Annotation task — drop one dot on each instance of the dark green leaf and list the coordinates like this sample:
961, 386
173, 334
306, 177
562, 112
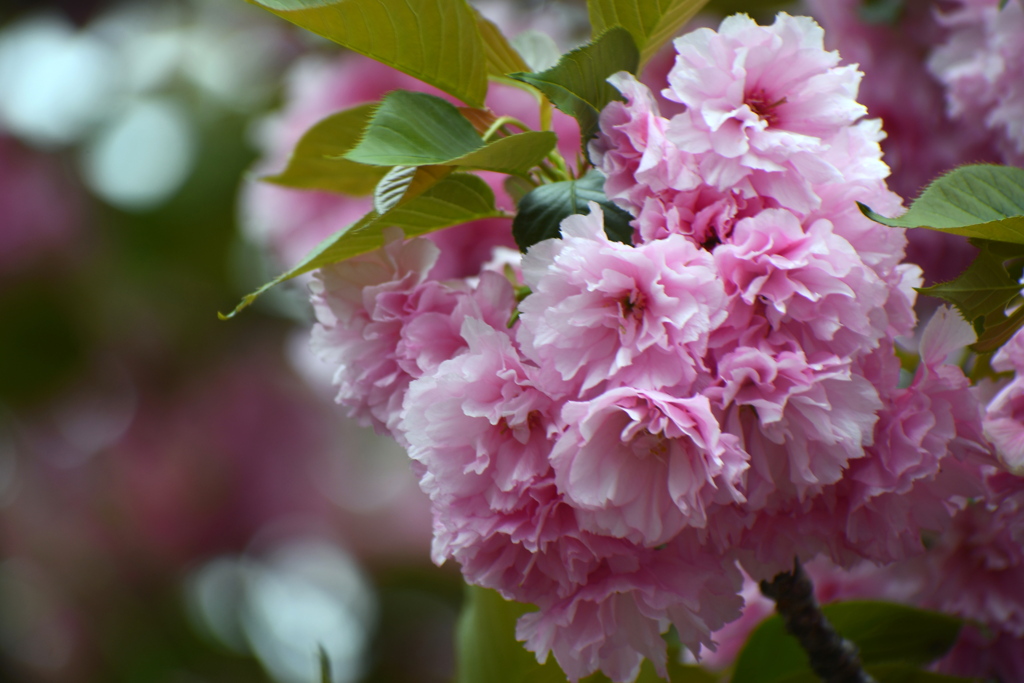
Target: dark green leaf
984, 291
650, 22
998, 330
577, 85
416, 129
436, 41
457, 198
887, 635
315, 162
981, 200
987, 286
542, 211
885, 12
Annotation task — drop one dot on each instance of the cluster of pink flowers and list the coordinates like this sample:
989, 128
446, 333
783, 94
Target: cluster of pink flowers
722, 392
980, 63
944, 78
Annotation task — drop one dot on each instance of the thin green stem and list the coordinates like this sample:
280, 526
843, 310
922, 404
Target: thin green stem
500, 123
545, 113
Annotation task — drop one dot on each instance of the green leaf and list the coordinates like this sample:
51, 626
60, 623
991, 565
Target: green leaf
998, 330
985, 291
502, 58
416, 129
905, 673
517, 188
436, 41
325, 665
314, 164
542, 211
486, 649
650, 22
886, 634
987, 286
455, 199
884, 12
577, 85
982, 200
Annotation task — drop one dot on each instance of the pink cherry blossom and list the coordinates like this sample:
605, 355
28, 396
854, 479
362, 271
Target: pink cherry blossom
982, 560
41, 208
808, 276
1004, 415
725, 390
762, 104
643, 465
604, 311
481, 431
617, 618
382, 323
634, 155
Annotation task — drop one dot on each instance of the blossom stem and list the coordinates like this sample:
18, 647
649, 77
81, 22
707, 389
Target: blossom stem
832, 657
500, 123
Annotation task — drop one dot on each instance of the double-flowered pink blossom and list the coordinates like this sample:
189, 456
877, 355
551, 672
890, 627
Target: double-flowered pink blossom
1004, 415
602, 311
482, 433
679, 464
723, 392
765, 100
382, 323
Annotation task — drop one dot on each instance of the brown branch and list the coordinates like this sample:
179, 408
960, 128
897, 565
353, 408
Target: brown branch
832, 657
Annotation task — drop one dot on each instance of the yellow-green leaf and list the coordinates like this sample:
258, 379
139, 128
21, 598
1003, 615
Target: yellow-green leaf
650, 22
436, 41
416, 129
577, 85
457, 198
316, 162
984, 201
502, 58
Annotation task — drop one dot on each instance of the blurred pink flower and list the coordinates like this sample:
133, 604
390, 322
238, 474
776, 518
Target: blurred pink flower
41, 207
980, 63
1004, 415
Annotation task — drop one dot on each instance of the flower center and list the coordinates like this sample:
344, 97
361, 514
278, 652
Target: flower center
633, 306
648, 444
763, 106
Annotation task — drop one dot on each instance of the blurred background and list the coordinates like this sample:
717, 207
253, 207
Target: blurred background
180, 499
